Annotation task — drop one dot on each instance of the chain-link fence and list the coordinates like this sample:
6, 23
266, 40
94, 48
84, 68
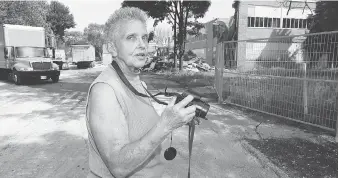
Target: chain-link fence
295, 77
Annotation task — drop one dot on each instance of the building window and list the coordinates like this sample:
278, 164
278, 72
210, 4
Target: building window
294, 23
276, 23
276, 17
267, 22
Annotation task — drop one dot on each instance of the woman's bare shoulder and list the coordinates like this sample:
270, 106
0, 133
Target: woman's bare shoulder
104, 105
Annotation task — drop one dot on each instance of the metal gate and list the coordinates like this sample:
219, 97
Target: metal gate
294, 77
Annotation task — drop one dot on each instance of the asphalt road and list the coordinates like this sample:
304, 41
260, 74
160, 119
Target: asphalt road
42, 128
43, 133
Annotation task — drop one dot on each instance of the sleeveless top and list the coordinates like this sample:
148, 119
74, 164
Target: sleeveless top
140, 116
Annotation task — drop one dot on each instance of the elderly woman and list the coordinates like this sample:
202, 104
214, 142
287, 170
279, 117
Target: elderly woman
124, 130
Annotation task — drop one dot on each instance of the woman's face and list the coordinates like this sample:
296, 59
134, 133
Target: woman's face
132, 43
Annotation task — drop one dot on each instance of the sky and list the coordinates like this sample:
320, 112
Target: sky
98, 11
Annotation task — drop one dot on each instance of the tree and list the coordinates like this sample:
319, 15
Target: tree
151, 36
75, 37
182, 15
60, 19
30, 13
95, 36
324, 19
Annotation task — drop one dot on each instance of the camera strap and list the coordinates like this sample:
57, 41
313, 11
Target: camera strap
191, 125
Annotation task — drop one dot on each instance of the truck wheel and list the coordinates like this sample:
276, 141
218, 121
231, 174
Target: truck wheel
16, 78
55, 78
91, 65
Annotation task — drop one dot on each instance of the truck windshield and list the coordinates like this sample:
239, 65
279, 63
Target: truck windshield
25, 52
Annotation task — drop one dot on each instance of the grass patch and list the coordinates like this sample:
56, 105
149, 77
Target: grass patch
300, 158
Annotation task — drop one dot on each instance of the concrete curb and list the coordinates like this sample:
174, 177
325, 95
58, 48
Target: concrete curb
263, 160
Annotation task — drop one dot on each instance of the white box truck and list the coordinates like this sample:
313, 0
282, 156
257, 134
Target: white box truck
83, 55
60, 58
23, 54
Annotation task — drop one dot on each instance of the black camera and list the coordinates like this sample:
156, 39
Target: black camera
202, 107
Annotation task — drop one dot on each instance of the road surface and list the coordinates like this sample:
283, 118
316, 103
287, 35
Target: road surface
43, 134
42, 128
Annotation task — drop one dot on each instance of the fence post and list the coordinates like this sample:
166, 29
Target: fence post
305, 88
336, 131
219, 68
222, 66
216, 74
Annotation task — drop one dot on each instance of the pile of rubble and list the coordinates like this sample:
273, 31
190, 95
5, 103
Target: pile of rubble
195, 65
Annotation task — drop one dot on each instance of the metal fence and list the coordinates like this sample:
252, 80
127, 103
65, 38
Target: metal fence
295, 77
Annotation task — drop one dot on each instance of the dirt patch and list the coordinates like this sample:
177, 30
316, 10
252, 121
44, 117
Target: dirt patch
300, 158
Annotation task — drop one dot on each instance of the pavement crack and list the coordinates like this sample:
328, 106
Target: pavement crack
256, 130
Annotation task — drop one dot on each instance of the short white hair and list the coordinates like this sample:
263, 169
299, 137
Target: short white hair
113, 24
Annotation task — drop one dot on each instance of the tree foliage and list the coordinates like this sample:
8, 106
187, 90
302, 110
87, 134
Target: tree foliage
182, 15
95, 36
151, 36
75, 37
55, 17
59, 18
324, 19
30, 13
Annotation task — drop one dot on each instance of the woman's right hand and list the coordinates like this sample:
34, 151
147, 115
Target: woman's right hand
176, 115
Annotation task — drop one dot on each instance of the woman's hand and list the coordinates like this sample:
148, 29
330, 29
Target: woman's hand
176, 115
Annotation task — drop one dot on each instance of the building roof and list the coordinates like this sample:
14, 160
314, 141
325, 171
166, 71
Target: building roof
22, 27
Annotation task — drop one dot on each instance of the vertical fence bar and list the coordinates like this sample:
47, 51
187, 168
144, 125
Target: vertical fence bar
336, 130
305, 99
216, 74
221, 67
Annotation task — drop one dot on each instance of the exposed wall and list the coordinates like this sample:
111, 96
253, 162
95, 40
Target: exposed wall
266, 50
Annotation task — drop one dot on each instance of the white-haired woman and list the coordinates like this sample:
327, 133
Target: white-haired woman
125, 131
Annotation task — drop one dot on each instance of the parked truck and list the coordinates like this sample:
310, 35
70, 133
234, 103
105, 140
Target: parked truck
59, 58
83, 55
23, 54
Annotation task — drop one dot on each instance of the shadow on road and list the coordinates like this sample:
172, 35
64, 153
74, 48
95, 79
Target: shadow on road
42, 128
55, 154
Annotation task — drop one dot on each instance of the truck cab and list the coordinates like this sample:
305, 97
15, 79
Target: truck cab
24, 63
24, 54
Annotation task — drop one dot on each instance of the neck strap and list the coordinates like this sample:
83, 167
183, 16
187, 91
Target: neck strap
191, 124
128, 84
